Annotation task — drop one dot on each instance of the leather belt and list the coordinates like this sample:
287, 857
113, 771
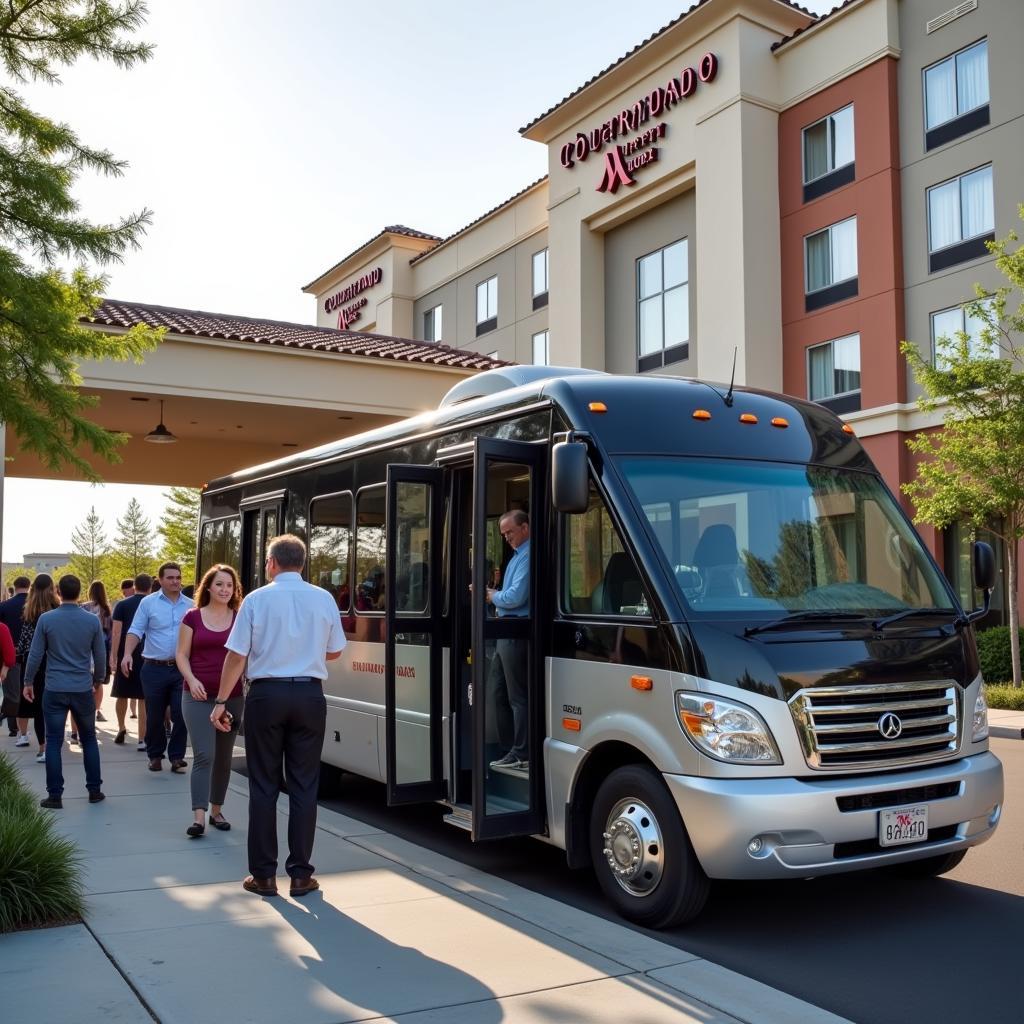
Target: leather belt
286, 679
160, 661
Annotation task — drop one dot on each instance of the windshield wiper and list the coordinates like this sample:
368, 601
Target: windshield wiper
820, 615
908, 613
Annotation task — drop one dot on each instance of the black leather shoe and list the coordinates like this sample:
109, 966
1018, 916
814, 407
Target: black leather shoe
97, 796
179, 767
53, 802
260, 886
223, 825
303, 886
156, 764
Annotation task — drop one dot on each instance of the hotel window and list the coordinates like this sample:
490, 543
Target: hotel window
830, 261
961, 218
828, 153
956, 95
540, 349
833, 373
432, 324
948, 323
663, 306
486, 305
540, 279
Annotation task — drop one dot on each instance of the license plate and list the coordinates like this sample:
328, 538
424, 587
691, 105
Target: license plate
903, 825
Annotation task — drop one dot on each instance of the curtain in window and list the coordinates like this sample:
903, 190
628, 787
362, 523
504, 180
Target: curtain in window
977, 328
650, 326
540, 348
677, 317
943, 215
844, 250
842, 137
940, 93
816, 150
846, 363
945, 324
976, 203
972, 78
819, 269
821, 372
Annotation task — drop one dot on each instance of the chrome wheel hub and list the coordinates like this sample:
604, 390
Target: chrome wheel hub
633, 847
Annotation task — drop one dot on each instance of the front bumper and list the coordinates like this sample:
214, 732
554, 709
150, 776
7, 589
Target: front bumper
799, 823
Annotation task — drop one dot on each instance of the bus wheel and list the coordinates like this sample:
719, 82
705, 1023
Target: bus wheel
641, 852
929, 867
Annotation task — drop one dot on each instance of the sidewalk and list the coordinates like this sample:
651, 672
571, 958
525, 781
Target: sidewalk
396, 932
1006, 724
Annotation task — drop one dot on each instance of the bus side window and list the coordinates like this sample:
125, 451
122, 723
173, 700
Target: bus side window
330, 548
600, 575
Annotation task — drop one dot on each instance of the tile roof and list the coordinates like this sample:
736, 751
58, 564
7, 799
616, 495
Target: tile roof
393, 229
114, 313
483, 216
640, 46
818, 21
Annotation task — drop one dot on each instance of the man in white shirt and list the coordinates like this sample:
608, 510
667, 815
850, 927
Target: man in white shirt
288, 631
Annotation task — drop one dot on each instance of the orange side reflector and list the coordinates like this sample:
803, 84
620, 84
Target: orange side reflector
572, 724
641, 682
701, 414
847, 429
748, 417
778, 421
597, 407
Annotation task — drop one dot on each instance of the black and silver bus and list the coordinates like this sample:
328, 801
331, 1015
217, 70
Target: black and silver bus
741, 660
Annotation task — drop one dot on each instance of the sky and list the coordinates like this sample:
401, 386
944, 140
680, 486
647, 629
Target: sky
270, 138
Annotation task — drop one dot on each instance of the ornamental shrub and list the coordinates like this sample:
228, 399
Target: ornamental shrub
994, 653
1006, 698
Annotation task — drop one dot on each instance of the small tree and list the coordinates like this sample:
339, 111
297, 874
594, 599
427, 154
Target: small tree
179, 527
132, 550
88, 549
973, 469
13, 573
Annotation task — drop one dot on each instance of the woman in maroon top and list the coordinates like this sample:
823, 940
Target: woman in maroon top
200, 657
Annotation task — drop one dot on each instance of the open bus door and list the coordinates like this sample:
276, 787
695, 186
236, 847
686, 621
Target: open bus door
261, 523
413, 640
507, 666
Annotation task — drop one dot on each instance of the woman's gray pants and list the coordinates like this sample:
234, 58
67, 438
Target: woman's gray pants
211, 749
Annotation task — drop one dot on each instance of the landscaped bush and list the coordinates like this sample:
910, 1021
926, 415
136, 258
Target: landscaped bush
994, 654
1006, 698
40, 880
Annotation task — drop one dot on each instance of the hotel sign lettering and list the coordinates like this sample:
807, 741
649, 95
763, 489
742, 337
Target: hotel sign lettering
350, 311
622, 160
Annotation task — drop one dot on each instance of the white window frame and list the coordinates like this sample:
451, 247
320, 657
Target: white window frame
436, 314
833, 166
533, 273
490, 299
945, 60
641, 299
960, 179
546, 342
975, 343
828, 344
832, 281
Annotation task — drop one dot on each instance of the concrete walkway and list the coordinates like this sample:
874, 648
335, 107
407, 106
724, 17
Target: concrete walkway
396, 933
1006, 724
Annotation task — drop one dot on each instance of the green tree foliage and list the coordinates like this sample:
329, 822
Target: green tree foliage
12, 574
88, 549
179, 528
132, 550
973, 469
42, 340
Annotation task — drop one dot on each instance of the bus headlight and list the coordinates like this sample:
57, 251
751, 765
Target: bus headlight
979, 730
726, 730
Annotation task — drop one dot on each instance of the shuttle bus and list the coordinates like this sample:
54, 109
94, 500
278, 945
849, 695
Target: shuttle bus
740, 660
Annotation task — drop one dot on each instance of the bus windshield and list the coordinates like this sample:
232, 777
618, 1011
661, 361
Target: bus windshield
756, 537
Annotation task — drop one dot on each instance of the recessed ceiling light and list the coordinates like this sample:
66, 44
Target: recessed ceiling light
289, 444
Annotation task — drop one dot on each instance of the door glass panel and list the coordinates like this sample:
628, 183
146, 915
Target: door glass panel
506, 742
254, 550
412, 552
412, 708
370, 550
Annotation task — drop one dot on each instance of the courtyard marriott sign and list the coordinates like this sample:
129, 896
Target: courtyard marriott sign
348, 314
622, 161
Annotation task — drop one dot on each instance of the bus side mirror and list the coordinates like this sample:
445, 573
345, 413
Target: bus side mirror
983, 561
569, 490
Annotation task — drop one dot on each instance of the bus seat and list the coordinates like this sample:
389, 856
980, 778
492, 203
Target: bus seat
620, 586
717, 558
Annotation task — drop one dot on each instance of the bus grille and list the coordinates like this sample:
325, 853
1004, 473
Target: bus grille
877, 726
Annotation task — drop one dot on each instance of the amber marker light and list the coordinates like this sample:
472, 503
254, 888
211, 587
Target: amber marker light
701, 414
597, 407
747, 417
847, 429
641, 682
572, 724
778, 421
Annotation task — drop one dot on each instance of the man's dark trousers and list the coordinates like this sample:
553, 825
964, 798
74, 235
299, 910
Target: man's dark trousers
284, 729
56, 705
162, 686
511, 697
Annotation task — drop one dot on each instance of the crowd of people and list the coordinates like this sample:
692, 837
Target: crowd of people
184, 662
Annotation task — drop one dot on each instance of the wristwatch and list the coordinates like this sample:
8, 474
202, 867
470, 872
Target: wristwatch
219, 701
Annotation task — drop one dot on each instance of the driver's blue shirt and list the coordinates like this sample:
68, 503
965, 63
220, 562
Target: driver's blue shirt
514, 598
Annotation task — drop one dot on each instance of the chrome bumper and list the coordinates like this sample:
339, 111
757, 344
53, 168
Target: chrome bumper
799, 824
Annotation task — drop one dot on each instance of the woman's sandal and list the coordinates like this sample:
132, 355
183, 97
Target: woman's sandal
195, 830
223, 825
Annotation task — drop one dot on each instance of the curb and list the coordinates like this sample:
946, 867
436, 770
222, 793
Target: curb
1007, 732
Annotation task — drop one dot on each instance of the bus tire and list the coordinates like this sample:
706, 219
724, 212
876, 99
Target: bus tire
641, 853
928, 867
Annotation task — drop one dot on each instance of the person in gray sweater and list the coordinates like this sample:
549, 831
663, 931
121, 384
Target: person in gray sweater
71, 640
